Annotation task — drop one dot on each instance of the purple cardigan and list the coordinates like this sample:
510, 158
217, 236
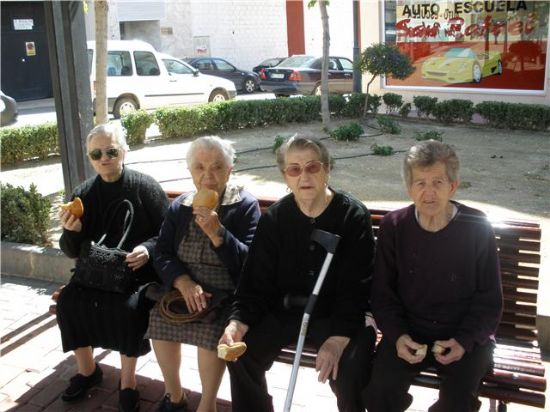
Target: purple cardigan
239, 218
438, 285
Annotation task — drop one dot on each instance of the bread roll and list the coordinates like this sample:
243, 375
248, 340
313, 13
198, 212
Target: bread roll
438, 349
75, 207
422, 351
206, 197
231, 353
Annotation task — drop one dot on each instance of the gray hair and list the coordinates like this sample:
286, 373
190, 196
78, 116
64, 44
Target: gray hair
212, 143
426, 154
297, 142
108, 130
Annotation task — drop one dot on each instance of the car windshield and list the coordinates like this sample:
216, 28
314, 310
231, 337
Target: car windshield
296, 61
457, 52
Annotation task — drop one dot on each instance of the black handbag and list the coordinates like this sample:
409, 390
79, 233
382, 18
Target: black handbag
104, 268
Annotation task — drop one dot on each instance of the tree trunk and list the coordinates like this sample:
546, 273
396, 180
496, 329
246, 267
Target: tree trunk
366, 107
101, 8
325, 111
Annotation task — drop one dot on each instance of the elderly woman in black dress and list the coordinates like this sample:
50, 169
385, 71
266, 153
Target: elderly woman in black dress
90, 318
200, 248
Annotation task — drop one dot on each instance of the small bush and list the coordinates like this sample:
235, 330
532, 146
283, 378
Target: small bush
493, 112
347, 132
278, 142
405, 110
374, 103
454, 110
178, 122
388, 125
136, 124
424, 105
27, 142
515, 115
393, 102
429, 135
382, 150
25, 215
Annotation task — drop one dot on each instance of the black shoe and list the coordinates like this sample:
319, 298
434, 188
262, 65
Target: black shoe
128, 400
166, 405
80, 384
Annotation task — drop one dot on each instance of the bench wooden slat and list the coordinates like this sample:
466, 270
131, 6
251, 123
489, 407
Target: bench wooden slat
509, 280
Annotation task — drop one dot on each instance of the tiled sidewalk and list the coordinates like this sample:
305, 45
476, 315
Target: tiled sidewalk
34, 370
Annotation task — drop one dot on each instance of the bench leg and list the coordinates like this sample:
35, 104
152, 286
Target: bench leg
492, 405
502, 407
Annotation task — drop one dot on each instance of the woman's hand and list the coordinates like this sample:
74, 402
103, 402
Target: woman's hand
406, 349
210, 224
234, 332
196, 299
453, 351
138, 257
329, 356
69, 221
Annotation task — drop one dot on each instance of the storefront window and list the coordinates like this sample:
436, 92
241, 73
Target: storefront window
493, 44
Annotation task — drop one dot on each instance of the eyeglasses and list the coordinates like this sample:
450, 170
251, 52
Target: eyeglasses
97, 153
311, 168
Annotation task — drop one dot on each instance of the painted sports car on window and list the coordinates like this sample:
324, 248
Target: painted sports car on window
462, 65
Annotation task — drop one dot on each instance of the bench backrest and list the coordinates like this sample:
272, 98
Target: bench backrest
518, 243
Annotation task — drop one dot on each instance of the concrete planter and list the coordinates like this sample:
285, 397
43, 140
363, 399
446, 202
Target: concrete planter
30, 261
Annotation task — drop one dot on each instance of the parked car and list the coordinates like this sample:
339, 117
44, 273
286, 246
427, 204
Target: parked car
301, 74
462, 65
272, 62
9, 110
138, 78
244, 80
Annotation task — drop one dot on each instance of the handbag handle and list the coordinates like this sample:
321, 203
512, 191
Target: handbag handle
128, 220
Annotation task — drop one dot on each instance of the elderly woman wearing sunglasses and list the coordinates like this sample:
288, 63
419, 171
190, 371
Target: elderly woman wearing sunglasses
282, 267
90, 318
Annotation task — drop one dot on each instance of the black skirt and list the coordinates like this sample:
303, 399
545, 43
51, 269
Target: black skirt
90, 317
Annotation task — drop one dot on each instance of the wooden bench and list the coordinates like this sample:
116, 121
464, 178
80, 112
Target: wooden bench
518, 372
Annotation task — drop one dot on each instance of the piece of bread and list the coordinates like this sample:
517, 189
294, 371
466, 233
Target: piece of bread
438, 349
422, 351
231, 353
206, 197
75, 207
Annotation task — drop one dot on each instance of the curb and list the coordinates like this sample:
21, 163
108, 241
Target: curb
36, 262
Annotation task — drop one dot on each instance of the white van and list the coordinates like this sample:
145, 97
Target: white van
138, 78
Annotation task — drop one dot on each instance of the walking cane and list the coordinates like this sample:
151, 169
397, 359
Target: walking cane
329, 241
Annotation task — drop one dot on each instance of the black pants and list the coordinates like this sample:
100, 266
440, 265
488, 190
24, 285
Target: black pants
265, 341
392, 377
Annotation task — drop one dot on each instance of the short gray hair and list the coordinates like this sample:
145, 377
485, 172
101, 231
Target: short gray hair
426, 154
297, 142
109, 130
212, 143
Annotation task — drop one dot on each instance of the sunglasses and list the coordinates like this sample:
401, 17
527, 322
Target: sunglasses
311, 168
97, 153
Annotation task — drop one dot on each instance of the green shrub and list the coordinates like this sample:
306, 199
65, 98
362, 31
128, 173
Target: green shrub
424, 105
277, 142
25, 215
136, 124
27, 142
348, 132
382, 150
393, 102
429, 135
493, 112
515, 115
454, 110
405, 110
388, 125
179, 122
374, 103
354, 105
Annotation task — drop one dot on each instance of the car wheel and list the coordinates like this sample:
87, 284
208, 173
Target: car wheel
249, 86
218, 95
123, 106
317, 90
499, 67
476, 73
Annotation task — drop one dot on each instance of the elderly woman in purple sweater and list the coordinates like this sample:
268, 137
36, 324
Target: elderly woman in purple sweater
436, 294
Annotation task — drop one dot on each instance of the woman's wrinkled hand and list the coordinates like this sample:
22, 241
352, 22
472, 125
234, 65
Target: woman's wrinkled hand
453, 351
208, 220
406, 349
234, 332
138, 257
69, 221
329, 356
195, 297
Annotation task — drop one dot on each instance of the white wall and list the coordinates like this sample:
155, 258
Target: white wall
340, 14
